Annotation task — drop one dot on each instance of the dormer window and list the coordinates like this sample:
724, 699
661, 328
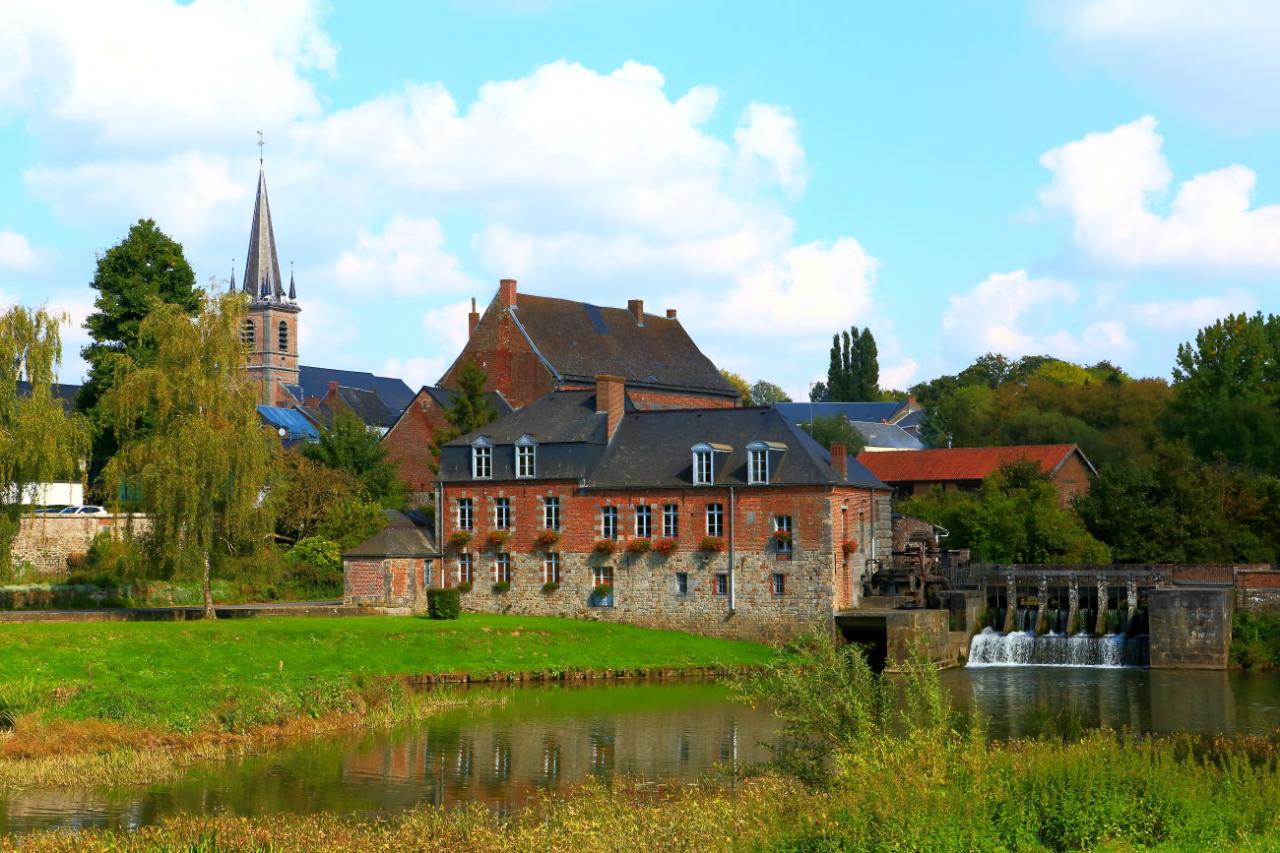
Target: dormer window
704, 462
526, 458
757, 464
482, 459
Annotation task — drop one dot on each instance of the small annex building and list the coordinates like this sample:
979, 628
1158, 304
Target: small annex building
393, 568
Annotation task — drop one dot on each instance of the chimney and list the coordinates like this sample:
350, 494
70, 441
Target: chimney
507, 293
473, 319
671, 313
912, 403
611, 398
333, 387
840, 459
636, 307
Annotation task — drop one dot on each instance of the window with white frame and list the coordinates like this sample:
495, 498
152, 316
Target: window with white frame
757, 464
715, 519
670, 521
526, 460
644, 521
482, 460
704, 466
466, 569
782, 534
682, 583
502, 568
466, 514
551, 568
502, 513
609, 522
720, 583
551, 513
778, 583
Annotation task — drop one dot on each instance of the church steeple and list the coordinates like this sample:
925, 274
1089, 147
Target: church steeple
262, 268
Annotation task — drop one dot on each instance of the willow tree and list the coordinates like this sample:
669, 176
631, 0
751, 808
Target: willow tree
191, 443
39, 439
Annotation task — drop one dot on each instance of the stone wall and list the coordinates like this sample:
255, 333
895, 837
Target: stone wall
1258, 591
394, 582
1190, 628
45, 541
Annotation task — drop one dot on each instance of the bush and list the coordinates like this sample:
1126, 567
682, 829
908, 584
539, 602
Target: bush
465, 586
502, 586
550, 587
444, 603
350, 521
319, 552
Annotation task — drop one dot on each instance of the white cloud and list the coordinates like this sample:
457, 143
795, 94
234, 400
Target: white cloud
1217, 59
1196, 313
988, 317
415, 372
408, 258
17, 253
446, 328
769, 135
1106, 182
899, 375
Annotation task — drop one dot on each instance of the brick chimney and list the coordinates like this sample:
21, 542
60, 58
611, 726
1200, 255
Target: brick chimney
473, 319
636, 307
840, 459
333, 387
611, 398
507, 293
671, 313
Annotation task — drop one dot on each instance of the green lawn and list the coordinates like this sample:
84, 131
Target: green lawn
231, 674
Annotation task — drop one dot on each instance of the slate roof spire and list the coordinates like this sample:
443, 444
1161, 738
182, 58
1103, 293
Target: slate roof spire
262, 268
231, 288
293, 291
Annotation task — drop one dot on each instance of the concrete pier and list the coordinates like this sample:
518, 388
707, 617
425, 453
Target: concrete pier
1190, 627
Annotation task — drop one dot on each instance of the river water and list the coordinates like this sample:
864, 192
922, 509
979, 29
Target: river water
550, 737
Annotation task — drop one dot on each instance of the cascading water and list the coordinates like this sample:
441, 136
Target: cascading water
1024, 648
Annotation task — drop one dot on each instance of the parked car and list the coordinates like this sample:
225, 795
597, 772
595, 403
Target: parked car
91, 510
70, 510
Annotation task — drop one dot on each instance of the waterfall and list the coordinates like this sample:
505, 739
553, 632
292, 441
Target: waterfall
1024, 648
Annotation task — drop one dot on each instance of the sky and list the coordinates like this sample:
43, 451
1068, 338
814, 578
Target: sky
1091, 179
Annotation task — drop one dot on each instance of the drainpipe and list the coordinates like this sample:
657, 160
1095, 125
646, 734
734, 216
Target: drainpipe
733, 579
444, 580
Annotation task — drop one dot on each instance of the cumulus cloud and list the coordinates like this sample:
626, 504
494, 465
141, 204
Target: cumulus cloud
17, 253
407, 258
415, 372
1107, 181
770, 136
1196, 313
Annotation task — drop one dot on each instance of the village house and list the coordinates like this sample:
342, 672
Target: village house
964, 468
725, 521
906, 414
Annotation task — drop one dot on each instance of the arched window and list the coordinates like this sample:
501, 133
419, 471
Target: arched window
283, 338
249, 334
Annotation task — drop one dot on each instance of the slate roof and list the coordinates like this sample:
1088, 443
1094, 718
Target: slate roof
407, 534
964, 463
298, 427
803, 413
314, 383
890, 436
366, 405
579, 341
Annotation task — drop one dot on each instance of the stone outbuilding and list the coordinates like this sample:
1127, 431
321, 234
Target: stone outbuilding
393, 568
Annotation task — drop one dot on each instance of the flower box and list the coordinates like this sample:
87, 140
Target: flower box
502, 586
637, 547
460, 539
498, 538
665, 547
550, 587
782, 537
849, 546
546, 538
605, 546
711, 543
604, 590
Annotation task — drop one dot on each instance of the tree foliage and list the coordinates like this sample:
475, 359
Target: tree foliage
853, 371
828, 428
348, 445
766, 394
39, 440
469, 410
303, 493
349, 521
190, 439
738, 381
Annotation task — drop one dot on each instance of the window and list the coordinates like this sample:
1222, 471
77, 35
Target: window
721, 586
670, 521
466, 518
502, 568
703, 466
525, 449
715, 519
644, 522
682, 583
551, 513
757, 465
466, 569
249, 333
609, 522
282, 338
482, 460
778, 583
782, 535
502, 513
551, 568
601, 575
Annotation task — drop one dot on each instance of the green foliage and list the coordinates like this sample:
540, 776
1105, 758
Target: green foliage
853, 372
469, 410
737, 380
320, 552
348, 445
766, 394
349, 521
1255, 640
444, 603
1014, 517
303, 492
828, 428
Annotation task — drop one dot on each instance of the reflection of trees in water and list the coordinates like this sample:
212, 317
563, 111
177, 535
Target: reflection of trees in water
550, 761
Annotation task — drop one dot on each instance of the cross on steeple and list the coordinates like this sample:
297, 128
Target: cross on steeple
260, 144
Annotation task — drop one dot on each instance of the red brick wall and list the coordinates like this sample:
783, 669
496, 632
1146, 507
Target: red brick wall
648, 399
501, 350
408, 443
1071, 479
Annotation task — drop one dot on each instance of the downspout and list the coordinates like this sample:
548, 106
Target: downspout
444, 580
733, 579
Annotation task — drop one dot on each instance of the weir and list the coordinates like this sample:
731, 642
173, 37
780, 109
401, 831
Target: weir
1024, 648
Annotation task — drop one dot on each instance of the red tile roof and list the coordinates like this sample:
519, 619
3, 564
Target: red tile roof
960, 463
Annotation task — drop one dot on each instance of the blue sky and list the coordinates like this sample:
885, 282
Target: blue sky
1087, 178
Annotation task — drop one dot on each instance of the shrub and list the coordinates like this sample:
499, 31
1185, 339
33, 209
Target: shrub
605, 546
665, 547
502, 586
602, 591
460, 539
636, 547
444, 603
547, 538
465, 586
711, 543
318, 551
550, 586
350, 521
498, 538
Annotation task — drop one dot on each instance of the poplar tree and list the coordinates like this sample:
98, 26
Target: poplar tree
190, 439
39, 440
853, 374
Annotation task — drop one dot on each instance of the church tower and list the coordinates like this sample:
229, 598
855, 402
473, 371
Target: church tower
271, 329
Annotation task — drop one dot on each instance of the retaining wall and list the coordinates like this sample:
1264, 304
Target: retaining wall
46, 541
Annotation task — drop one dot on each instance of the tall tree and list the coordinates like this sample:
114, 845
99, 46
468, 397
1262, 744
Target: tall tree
868, 368
349, 445
143, 269
739, 382
853, 374
39, 440
469, 410
190, 439
766, 394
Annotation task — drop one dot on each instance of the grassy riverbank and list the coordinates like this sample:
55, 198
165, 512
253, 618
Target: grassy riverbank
89, 687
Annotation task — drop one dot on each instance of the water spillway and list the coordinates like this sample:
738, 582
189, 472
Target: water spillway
1025, 648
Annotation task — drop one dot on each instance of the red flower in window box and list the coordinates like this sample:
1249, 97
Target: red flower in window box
498, 538
460, 539
547, 538
636, 547
605, 546
849, 546
711, 543
782, 537
665, 547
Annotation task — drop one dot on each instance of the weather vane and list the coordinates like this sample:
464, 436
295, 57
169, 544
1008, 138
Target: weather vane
260, 144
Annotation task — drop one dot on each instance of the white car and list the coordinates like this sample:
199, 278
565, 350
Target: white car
84, 510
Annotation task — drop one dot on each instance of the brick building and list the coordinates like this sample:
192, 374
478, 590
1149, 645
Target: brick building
964, 468
410, 438
532, 345
723, 521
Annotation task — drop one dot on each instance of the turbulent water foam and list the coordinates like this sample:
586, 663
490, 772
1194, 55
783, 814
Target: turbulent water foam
1024, 648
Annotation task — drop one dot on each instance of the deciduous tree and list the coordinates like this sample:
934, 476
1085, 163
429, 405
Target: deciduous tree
766, 394
347, 444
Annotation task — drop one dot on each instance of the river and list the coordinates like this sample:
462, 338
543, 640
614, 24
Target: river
550, 737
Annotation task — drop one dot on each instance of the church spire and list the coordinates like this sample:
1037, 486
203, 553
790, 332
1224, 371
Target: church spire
261, 268
231, 288
293, 291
